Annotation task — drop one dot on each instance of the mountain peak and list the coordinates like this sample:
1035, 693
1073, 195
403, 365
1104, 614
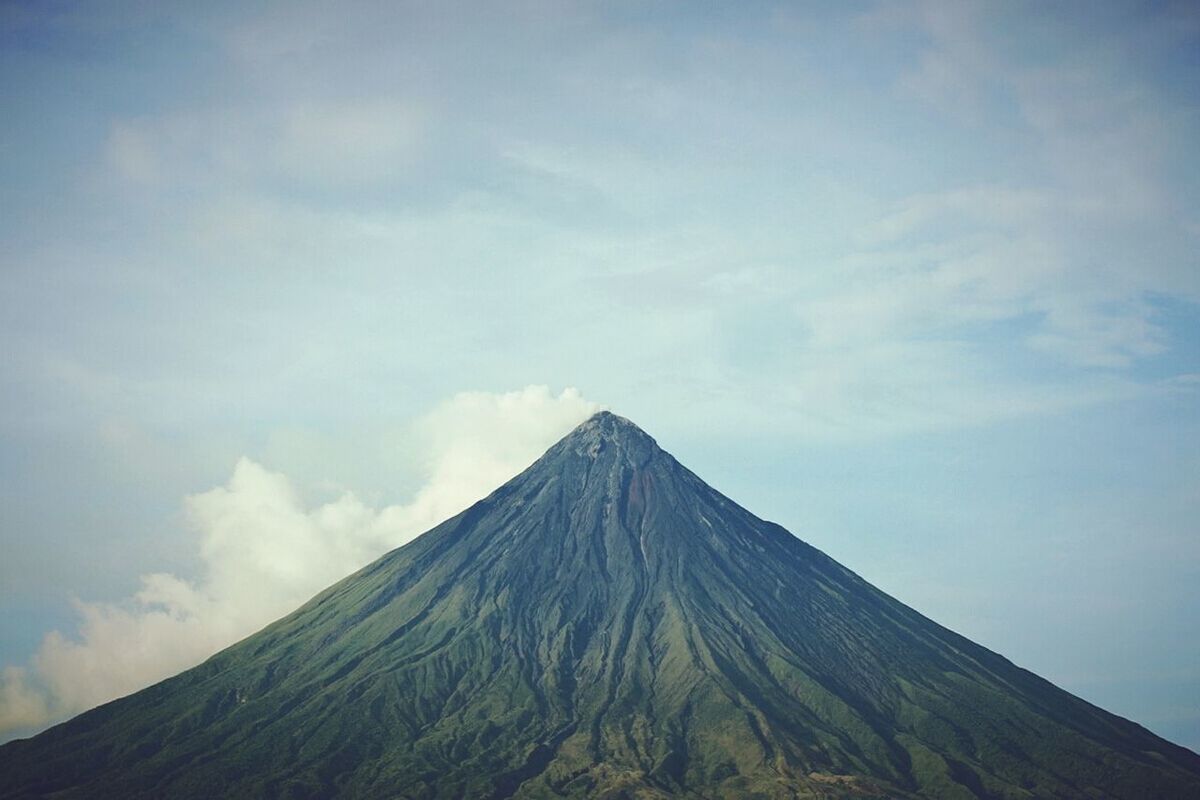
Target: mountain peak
612, 426
605, 429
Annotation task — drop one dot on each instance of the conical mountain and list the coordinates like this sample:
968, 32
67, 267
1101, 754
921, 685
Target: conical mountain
603, 625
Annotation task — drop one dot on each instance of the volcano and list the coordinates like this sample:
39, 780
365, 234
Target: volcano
603, 625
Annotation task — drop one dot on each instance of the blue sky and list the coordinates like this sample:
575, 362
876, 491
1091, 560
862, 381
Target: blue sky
917, 280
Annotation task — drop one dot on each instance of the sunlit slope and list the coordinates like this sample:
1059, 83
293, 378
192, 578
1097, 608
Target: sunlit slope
603, 625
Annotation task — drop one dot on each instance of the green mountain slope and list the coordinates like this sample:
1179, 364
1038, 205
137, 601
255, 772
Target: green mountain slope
603, 625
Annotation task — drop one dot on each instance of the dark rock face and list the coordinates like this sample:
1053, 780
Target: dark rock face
603, 625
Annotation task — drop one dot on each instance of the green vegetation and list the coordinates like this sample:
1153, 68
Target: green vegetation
604, 625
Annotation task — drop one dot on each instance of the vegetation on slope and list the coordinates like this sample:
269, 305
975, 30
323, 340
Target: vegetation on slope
604, 625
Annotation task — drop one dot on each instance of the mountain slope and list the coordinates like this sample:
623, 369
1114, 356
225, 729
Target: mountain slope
604, 624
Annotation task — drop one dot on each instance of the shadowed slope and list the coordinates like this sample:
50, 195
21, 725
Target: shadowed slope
604, 624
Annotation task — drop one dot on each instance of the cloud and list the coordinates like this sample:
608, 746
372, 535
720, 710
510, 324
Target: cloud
1090, 184
952, 74
349, 142
315, 143
23, 706
950, 263
493, 176
1100, 337
263, 552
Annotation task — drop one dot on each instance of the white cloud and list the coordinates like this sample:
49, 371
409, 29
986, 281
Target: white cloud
23, 706
992, 204
952, 72
1100, 338
318, 143
970, 256
348, 142
263, 552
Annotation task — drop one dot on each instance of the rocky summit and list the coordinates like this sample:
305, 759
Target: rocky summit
603, 625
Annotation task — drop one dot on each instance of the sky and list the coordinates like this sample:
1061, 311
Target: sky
282, 285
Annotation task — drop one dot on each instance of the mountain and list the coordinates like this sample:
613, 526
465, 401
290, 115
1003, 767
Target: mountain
603, 625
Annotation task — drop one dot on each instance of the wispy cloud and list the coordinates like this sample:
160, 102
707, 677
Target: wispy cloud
314, 144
